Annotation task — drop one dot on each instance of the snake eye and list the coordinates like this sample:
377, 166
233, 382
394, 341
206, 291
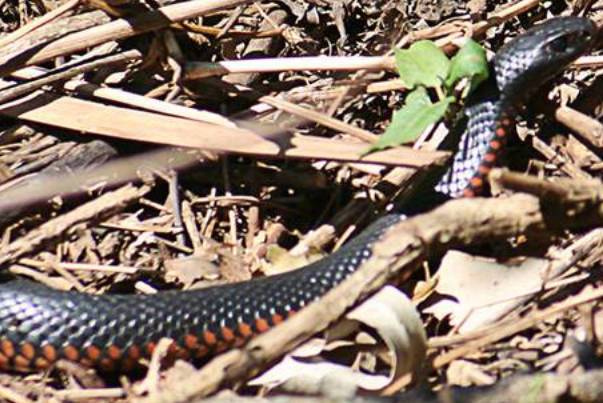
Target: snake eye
559, 44
585, 37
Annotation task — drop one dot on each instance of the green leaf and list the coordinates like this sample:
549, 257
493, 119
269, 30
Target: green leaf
417, 114
422, 64
469, 62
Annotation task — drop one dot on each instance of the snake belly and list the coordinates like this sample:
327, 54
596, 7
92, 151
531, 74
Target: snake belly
39, 325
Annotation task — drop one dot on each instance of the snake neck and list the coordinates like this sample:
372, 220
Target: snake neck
521, 67
483, 109
473, 145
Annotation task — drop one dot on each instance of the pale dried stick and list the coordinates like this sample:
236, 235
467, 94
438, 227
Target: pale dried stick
114, 30
196, 70
60, 74
35, 24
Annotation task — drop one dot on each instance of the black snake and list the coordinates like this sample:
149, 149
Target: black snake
39, 325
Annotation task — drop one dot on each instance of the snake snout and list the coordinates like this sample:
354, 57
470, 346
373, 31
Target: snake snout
569, 43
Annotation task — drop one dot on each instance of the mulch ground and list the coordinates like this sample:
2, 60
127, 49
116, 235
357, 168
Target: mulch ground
144, 146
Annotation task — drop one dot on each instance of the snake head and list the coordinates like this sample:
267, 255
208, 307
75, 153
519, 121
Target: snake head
535, 57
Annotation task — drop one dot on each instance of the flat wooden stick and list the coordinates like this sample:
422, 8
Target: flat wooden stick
90, 117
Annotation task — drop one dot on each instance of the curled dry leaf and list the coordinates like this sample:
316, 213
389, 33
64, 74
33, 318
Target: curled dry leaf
395, 319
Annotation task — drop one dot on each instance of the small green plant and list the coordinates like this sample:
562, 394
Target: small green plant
424, 66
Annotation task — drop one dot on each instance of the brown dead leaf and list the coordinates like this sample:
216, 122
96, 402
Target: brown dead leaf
479, 291
189, 269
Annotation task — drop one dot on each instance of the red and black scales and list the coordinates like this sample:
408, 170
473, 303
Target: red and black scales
39, 325
480, 148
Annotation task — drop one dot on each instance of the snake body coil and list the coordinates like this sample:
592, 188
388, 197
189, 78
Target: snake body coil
39, 325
